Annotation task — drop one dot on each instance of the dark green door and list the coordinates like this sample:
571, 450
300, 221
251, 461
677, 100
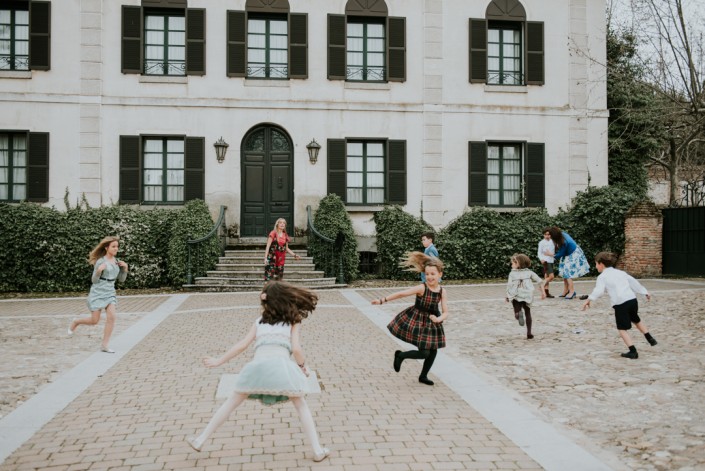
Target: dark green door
267, 181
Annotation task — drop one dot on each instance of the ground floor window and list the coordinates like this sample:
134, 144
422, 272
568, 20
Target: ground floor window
163, 171
13, 166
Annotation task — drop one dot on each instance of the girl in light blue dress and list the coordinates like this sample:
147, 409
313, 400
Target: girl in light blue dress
107, 269
272, 376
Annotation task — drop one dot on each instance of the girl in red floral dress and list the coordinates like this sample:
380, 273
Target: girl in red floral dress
421, 324
275, 253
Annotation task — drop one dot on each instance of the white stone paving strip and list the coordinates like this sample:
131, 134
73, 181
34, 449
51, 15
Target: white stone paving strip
540, 440
22, 423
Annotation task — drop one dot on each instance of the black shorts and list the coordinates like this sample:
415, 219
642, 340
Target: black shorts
547, 268
626, 313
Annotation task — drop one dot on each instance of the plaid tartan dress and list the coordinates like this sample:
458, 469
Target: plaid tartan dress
413, 325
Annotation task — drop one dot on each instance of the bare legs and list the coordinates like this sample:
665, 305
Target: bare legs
94, 319
568, 289
236, 399
628, 338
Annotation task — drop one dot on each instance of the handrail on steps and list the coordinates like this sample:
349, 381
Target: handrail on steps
336, 244
220, 224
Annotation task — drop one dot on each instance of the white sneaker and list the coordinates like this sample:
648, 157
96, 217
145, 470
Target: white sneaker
325, 452
69, 331
106, 350
194, 444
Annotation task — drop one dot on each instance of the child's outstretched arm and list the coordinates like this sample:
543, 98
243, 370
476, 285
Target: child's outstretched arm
417, 290
241, 346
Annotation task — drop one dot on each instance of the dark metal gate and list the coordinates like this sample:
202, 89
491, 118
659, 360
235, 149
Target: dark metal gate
684, 241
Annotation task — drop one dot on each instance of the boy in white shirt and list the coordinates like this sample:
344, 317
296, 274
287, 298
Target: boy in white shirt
546, 250
621, 288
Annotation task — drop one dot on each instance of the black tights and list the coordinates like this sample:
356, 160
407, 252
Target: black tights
428, 356
518, 306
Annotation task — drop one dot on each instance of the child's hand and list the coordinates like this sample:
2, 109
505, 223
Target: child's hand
210, 362
586, 305
435, 319
376, 301
506, 300
122, 264
648, 297
543, 294
305, 370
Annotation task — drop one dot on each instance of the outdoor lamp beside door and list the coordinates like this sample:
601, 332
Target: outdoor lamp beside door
221, 147
313, 149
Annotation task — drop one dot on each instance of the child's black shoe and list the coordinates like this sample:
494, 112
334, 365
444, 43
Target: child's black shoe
397, 361
633, 355
425, 380
652, 341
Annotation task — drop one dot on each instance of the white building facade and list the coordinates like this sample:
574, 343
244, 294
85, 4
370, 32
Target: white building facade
436, 105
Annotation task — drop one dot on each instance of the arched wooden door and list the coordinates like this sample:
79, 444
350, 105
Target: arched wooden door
267, 181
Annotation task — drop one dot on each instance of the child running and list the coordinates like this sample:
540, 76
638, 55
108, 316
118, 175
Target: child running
520, 290
621, 288
271, 376
421, 324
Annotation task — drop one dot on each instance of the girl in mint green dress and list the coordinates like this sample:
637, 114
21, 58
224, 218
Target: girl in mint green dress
107, 270
272, 376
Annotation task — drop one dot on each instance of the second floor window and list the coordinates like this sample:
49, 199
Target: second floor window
267, 48
365, 51
165, 44
163, 170
365, 172
13, 166
14, 39
504, 55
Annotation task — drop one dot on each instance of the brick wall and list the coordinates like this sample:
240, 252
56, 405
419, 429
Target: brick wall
643, 231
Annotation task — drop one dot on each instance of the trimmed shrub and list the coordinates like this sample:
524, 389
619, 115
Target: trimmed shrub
330, 219
398, 232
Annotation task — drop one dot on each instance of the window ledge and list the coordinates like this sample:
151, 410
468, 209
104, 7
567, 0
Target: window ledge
507, 88
266, 83
162, 79
16, 74
507, 209
367, 86
364, 208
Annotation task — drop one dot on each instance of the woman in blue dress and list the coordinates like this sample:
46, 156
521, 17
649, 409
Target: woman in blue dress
107, 269
573, 262
271, 377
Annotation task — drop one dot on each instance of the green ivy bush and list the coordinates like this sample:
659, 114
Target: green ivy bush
330, 219
479, 243
194, 222
398, 232
46, 250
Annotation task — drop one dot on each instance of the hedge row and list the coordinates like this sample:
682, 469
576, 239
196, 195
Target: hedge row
44, 249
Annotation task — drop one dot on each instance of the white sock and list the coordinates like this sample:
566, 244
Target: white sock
220, 416
307, 423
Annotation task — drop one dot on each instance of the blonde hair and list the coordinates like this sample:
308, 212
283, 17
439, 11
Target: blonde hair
522, 260
101, 249
277, 223
418, 261
282, 302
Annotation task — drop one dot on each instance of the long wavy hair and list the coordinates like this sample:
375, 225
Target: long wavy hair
101, 249
418, 261
556, 236
285, 303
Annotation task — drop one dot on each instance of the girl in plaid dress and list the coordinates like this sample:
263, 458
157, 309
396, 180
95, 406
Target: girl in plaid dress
421, 324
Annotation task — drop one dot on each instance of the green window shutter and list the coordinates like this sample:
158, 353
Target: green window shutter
535, 175
336, 47
396, 49
396, 172
478, 50
477, 195
534, 53
130, 170
131, 40
38, 167
298, 45
237, 44
337, 178
194, 168
195, 41
39, 35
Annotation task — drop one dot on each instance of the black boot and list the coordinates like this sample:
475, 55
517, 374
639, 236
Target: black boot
427, 364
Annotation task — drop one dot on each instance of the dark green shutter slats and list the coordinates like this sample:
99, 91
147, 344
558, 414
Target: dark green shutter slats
39, 35
396, 172
336, 47
130, 169
396, 49
298, 45
38, 167
194, 168
534, 53
131, 40
195, 41
477, 194
336, 168
237, 44
478, 50
535, 175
